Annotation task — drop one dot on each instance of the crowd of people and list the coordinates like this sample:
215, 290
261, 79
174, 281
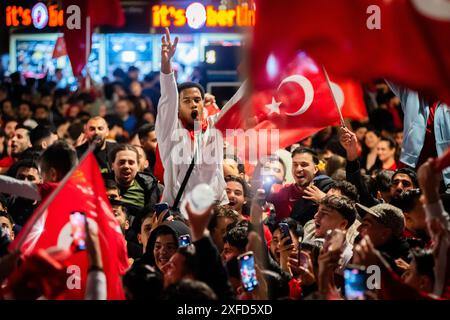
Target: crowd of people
347, 198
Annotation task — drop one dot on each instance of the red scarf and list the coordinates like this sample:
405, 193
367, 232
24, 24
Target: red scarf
191, 131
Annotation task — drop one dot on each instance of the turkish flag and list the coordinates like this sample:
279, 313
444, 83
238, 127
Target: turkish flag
78, 41
405, 41
299, 105
350, 99
50, 227
60, 48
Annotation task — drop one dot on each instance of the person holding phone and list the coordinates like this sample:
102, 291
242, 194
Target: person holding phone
285, 240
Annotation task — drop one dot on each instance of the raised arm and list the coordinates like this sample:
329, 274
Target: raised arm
167, 118
349, 142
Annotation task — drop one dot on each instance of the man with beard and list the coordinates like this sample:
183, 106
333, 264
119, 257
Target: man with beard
20, 142
402, 180
21, 208
138, 190
290, 200
95, 131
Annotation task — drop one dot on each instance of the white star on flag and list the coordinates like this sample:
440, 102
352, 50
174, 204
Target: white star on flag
274, 106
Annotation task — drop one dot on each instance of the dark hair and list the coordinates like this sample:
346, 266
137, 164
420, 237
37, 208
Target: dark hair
133, 68
26, 163
59, 156
294, 226
245, 186
424, 262
370, 184
347, 189
39, 133
274, 158
219, 212
189, 290
122, 147
410, 173
301, 150
188, 85
237, 237
27, 128
143, 282
110, 184
383, 180
144, 130
7, 216
343, 205
391, 142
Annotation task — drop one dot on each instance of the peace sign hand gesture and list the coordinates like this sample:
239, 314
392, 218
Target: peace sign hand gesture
167, 52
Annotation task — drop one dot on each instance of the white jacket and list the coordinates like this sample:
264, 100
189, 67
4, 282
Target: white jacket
177, 148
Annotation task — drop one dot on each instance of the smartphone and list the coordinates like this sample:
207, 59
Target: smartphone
78, 223
268, 182
184, 240
355, 278
303, 260
284, 229
248, 272
161, 207
334, 239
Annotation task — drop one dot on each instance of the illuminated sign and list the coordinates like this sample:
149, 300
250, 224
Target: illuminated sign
40, 16
196, 16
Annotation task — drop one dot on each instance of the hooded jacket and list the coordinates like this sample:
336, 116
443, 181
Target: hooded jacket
177, 228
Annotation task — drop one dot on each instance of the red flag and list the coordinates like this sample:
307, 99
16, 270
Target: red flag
410, 47
100, 12
300, 105
350, 98
60, 48
50, 226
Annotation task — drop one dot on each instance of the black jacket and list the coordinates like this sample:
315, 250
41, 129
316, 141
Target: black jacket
304, 210
211, 269
353, 175
102, 156
177, 228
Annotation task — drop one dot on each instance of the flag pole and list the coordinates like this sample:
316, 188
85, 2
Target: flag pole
43, 207
88, 50
334, 98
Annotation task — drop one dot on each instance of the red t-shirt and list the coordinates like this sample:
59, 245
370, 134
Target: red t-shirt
285, 199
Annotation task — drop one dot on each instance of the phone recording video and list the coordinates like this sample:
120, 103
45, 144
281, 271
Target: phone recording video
78, 223
355, 278
184, 240
248, 272
284, 229
268, 182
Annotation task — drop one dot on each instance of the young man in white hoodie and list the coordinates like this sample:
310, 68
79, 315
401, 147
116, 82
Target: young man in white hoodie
183, 133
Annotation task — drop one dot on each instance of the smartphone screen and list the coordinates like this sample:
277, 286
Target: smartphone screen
354, 283
248, 272
184, 240
161, 207
78, 223
284, 229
